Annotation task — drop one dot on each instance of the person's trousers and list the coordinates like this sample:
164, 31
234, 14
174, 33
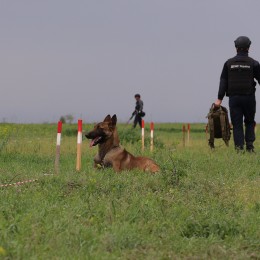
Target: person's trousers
243, 107
138, 119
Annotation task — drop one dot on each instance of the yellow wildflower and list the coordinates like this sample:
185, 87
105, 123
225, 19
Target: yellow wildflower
2, 251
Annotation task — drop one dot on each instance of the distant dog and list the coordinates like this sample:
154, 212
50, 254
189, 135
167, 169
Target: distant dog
111, 154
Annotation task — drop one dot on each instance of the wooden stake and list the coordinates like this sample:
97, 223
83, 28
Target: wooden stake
152, 129
183, 134
79, 142
188, 134
142, 135
57, 159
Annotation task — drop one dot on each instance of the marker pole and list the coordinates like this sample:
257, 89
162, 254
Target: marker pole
152, 129
188, 134
183, 134
79, 142
57, 159
142, 135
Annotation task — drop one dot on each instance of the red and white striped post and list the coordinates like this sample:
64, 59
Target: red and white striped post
142, 135
183, 134
57, 159
79, 142
152, 129
188, 134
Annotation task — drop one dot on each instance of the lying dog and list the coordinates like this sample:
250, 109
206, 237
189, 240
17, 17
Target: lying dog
111, 154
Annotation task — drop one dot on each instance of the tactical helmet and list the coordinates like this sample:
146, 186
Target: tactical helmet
242, 42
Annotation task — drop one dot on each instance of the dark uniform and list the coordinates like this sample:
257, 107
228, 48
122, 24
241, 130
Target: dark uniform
237, 82
138, 111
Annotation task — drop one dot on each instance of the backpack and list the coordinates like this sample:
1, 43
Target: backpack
218, 124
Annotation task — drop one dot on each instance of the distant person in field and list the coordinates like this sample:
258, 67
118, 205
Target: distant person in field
138, 113
237, 81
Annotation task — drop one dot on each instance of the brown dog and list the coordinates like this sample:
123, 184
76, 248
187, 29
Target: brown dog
111, 154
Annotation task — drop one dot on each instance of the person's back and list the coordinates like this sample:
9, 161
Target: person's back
241, 75
237, 81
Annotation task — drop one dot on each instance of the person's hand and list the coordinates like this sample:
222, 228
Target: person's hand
218, 102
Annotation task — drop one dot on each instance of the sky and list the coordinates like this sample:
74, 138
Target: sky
88, 58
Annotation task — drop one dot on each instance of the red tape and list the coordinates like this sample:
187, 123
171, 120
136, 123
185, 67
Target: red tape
79, 125
59, 127
142, 123
152, 126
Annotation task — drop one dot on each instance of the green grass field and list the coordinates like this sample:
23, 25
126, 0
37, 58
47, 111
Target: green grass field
203, 205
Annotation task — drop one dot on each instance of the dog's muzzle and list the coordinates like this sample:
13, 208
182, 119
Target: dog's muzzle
94, 139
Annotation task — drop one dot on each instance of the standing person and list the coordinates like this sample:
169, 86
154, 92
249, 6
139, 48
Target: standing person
138, 111
237, 82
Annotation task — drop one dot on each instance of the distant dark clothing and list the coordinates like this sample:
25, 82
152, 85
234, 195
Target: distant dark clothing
139, 105
232, 78
138, 119
138, 109
237, 81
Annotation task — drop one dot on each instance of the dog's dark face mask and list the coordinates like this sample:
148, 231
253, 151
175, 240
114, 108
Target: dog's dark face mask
97, 136
102, 131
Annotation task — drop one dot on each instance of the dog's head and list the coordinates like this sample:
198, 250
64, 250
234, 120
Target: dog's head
102, 131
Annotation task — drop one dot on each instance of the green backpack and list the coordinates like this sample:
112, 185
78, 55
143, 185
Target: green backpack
218, 124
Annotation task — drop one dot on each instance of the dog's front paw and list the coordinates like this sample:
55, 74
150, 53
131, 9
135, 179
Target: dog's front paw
99, 166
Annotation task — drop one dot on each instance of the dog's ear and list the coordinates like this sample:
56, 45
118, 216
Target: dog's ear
107, 118
114, 120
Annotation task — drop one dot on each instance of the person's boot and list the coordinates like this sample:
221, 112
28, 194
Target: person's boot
239, 149
250, 148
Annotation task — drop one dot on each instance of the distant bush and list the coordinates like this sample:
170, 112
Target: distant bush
67, 119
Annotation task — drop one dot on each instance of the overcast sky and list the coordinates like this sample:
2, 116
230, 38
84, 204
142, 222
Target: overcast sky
89, 57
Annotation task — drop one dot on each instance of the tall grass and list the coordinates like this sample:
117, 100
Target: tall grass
203, 204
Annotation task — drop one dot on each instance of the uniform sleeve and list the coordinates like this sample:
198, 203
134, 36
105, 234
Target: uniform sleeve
257, 71
223, 84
